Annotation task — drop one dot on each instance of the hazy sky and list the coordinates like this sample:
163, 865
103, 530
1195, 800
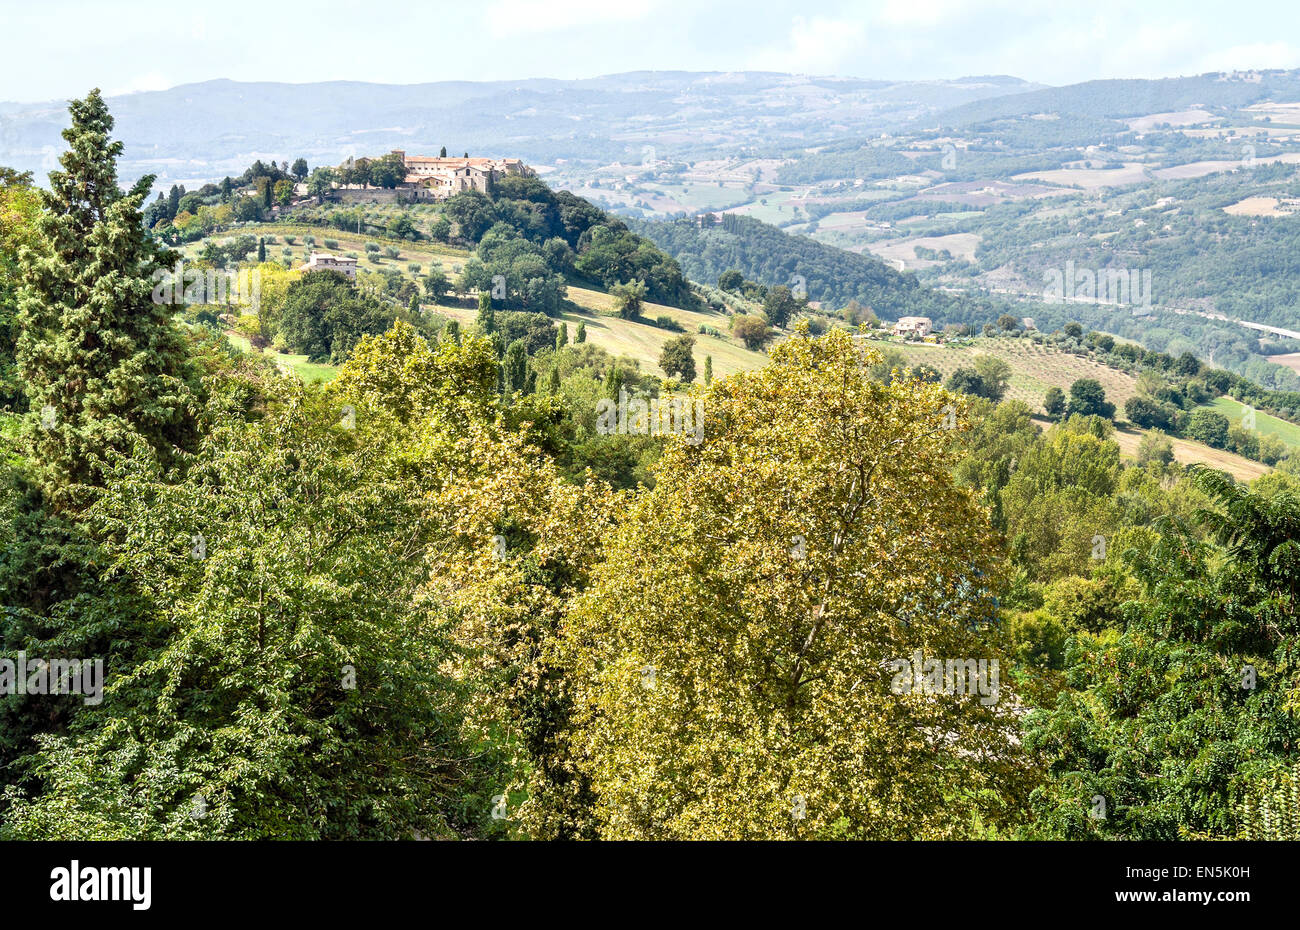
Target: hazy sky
55, 49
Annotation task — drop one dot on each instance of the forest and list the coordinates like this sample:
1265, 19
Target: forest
435, 598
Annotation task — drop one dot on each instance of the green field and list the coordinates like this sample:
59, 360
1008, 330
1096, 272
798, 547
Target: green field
1267, 425
298, 364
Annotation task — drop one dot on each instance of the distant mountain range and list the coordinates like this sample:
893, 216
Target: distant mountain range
201, 132
1118, 99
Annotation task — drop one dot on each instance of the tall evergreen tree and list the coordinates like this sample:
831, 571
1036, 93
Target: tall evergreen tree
581, 335
516, 367
103, 365
613, 382
486, 318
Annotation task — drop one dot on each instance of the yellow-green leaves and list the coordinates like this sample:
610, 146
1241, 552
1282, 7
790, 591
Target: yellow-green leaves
766, 583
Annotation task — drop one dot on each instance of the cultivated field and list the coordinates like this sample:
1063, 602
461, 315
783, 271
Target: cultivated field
1090, 178
1034, 368
960, 245
1180, 118
1256, 206
1291, 361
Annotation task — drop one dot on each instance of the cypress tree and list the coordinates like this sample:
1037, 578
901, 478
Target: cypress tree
708, 369
486, 318
261, 250
516, 367
562, 337
581, 335
614, 382
103, 364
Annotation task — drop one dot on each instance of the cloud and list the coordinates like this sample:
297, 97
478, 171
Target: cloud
523, 17
921, 12
817, 46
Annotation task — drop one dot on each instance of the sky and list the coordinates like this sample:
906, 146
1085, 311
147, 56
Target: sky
56, 49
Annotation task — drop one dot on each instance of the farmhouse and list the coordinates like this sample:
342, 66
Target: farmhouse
438, 178
322, 262
910, 327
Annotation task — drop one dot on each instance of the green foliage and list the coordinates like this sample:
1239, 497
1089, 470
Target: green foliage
1155, 447
1088, 399
779, 305
628, 297
1054, 401
19, 208
1160, 710
103, 366
770, 670
1209, 427
325, 315
987, 378
743, 248
676, 358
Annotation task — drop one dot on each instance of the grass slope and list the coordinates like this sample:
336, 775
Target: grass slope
1268, 425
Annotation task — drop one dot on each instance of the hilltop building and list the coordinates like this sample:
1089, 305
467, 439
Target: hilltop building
439, 178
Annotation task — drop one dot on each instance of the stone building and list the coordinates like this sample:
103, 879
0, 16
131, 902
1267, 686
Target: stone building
437, 178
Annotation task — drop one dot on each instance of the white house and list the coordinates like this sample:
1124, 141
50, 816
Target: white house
320, 261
